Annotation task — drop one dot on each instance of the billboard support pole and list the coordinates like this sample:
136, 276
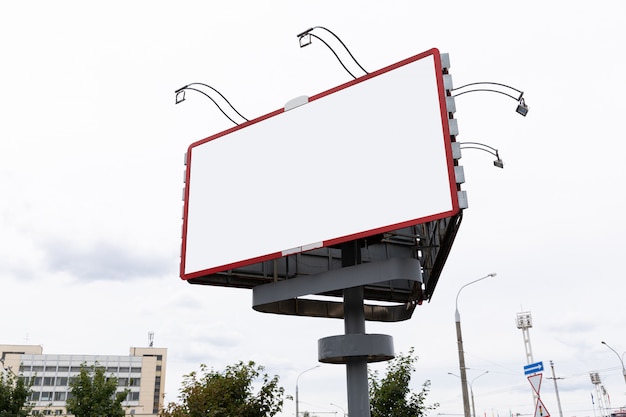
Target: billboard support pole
354, 323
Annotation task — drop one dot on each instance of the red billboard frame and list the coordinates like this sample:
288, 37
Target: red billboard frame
334, 240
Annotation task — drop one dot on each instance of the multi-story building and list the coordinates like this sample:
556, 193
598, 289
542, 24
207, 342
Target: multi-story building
142, 372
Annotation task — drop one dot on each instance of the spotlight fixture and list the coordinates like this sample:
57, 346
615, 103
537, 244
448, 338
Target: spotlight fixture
522, 108
498, 162
305, 38
180, 95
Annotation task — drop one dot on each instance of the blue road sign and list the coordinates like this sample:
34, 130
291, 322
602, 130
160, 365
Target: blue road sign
533, 368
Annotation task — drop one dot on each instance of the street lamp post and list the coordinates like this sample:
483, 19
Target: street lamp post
472, 392
341, 408
459, 339
621, 359
297, 400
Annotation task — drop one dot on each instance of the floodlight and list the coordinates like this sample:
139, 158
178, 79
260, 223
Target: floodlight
522, 108
499, 163
180, 95
305, 40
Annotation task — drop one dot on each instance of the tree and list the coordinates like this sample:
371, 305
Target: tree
92, 394
13, 395
391, 396
228, 393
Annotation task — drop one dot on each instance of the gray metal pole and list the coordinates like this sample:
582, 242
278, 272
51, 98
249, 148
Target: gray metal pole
459, 340
356, 368
354, 323
556, 389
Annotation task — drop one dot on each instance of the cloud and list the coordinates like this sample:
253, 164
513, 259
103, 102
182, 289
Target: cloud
104, 261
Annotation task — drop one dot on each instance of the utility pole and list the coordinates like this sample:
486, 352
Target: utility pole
556, 388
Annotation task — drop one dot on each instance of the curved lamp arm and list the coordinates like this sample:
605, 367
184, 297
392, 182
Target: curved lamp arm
305, 40
522, 107
180, 97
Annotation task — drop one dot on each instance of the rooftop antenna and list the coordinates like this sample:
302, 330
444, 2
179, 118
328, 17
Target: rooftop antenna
151, 338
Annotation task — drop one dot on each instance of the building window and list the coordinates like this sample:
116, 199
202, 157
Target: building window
37, 368
61, 381
34, 396
58, 412
135, 370
59, 396
46, 396
37, 381
64, 368
122, 382
132, 396
48, 381
135, 382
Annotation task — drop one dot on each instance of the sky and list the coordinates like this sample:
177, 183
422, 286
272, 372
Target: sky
91, 173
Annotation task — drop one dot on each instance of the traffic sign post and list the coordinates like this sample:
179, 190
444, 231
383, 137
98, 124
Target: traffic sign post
535, 382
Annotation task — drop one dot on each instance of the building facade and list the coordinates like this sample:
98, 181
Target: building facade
142, 372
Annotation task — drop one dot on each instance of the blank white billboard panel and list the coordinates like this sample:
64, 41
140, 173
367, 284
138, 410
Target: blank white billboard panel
369, 156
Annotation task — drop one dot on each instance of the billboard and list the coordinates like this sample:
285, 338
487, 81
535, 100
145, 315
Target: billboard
367, 157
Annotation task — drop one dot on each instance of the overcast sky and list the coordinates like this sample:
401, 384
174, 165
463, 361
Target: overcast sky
91, 168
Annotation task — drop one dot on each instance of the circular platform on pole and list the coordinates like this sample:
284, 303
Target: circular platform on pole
338, 349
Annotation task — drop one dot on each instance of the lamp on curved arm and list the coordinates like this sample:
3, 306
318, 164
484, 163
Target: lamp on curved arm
485, 148
621, 360
522, 108
305, 40
180, 97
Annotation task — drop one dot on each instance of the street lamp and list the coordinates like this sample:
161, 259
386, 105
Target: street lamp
621, 359
459, 339
341, 408
297, 402
472, 392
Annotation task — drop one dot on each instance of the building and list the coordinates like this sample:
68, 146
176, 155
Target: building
142, 372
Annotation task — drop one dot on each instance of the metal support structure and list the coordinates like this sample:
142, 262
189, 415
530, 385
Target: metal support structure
525, 322
354, 323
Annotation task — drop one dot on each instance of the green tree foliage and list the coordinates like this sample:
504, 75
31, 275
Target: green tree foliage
391, 395
228, 393
13, 395
92, 394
